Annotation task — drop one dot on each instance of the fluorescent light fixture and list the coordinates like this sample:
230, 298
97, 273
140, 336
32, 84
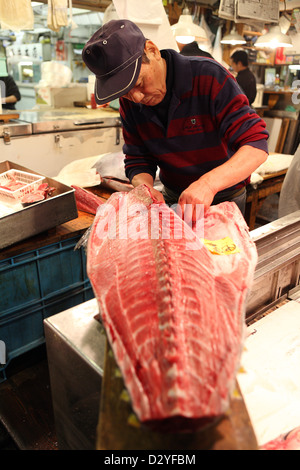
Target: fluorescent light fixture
29, 72
294, 67
186, 31
273, 39
233, 38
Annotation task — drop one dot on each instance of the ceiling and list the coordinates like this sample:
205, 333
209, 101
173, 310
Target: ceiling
98, 5
81, 16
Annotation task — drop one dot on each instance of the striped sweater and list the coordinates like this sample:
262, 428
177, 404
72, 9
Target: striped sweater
209, 119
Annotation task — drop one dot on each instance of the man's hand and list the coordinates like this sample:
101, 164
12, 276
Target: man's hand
157, 194
145, 178
236, 169
198, 192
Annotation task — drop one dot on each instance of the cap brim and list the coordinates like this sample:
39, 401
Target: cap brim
117, 85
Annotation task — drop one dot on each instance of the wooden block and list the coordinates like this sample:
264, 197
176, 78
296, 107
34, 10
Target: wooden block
119, 429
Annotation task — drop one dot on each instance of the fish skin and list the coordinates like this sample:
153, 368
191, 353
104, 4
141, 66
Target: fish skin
111, 169
116, 185
176, 343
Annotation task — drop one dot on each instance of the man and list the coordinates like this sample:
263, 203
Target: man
185, 115
193, 49
245, 78
10, 93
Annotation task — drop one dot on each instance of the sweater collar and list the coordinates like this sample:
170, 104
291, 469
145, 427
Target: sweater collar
183, 78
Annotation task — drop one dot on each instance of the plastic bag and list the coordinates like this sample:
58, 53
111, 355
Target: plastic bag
57, 14
16, 15
54, 74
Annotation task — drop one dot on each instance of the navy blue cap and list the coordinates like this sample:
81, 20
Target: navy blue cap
114, 55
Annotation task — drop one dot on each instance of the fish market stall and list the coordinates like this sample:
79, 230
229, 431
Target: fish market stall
276, 282
77, 346
48, 139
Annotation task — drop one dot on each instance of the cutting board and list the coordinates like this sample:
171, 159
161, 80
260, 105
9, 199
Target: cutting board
270, 382
8, 116
119, 430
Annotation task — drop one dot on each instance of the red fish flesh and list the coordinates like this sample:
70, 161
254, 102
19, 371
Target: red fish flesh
86, 201
173, 311
42, 192
289, 441
32, 198
13, 185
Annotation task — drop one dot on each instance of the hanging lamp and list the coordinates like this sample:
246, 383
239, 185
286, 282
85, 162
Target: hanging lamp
273, 39
186, 31
233, 38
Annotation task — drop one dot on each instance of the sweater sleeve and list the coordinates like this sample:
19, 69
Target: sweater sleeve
137, 157
238, 123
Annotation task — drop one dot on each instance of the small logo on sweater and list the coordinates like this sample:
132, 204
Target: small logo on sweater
192, 125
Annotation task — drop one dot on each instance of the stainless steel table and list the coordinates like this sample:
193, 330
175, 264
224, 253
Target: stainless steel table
75, 348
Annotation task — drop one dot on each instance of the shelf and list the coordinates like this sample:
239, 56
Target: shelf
279, 92
252, 33
263, 64
271, 65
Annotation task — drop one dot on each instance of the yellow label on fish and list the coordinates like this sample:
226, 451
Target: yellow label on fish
225, 246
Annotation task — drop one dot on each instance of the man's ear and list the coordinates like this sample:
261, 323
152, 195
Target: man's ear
151, 48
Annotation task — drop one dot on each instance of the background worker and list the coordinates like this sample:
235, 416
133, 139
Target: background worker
245, 78
185, 115
193, 49
10, 93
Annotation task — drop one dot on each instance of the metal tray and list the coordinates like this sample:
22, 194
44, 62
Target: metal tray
35, 219
64, 120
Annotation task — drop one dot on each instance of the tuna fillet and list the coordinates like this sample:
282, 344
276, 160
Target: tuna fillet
172, 308
86, 201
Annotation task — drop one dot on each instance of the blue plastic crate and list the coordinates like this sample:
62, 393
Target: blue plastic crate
34, 286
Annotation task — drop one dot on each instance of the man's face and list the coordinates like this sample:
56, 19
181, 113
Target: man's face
150, 87
235, 66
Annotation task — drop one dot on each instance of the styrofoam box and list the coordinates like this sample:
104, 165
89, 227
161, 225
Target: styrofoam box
60, 97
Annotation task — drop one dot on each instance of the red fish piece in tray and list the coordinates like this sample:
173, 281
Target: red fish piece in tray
42, 192
12, 185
